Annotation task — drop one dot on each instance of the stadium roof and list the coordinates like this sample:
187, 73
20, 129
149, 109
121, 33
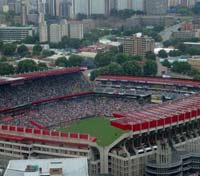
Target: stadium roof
160, 115
37, 167
25, 76
152, 80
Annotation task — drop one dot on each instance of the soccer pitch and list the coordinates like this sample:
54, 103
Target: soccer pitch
98, 127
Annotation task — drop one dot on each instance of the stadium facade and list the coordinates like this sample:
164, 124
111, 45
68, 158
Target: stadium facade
176, 120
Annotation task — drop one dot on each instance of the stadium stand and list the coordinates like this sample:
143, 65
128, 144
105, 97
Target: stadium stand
68, 109
26, 88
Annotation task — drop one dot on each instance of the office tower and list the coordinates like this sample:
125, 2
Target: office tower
23, 12
55, 33
123, 4
156, 7
51, 7
65, 9
99, 7
80, 7
138, 5
138, 44
41, 6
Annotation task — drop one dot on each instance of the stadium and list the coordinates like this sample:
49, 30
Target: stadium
117, 122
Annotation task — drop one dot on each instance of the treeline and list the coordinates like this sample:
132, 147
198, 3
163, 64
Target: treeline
22, 66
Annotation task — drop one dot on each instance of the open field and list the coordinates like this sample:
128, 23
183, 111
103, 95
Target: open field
98, 127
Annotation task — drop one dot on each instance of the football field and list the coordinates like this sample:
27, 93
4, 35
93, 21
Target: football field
98, 127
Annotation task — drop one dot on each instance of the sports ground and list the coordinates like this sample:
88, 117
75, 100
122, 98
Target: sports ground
98, 127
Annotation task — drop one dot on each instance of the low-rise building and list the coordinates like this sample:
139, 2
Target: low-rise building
194, 61
53, 167
15, 33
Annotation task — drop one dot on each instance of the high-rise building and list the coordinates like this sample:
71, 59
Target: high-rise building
98, 6
138, 44
138, 5
64, 28
53, 7
76, 29
55, 33
80, 7
43, 32
123, 4
41, 4
156, 7
23, 12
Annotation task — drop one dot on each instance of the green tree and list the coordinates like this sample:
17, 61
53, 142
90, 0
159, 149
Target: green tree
42, 66
22, 50
47, 53
175, 53
162, 54
181, 67
6, 69
132, 68
27, 66
9, 49
121, 58
62, 62
166, 63
103, 59
197, 76
37, 50
150, 55
150, 68
75, 60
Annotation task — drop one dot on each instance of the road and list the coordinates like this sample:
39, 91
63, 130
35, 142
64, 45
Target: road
167, 32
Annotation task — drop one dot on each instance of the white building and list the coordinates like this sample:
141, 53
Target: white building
43, 32
80, 7
98, 7
138, 5
64, 28
55, 33
76, 29
53, 167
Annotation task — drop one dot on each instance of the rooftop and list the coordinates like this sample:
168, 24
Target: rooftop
68, 166
32, 75
151, 80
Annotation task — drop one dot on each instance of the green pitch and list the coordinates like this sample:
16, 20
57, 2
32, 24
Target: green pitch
98, 127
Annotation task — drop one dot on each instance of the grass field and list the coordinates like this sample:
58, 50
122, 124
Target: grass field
98, 127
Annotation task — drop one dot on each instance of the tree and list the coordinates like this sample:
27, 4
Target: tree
181, 67
8, 49
162, 54
166, 63
6, 69
111, 69
62, 62
150, 55
46, 53
26, 66
1, 45
150, 68
132, 68
37, 50
121, 58
103, 59
175, 53
75, 60
22, 50
42, 66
